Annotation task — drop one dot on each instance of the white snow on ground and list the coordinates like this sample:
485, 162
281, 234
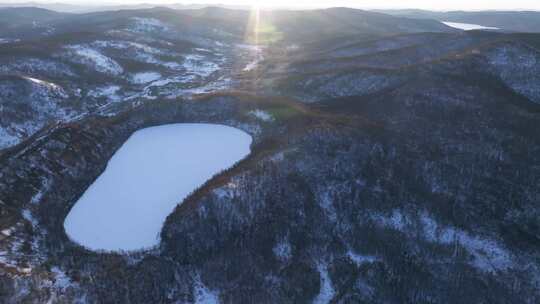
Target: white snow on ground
41, 82
199, 65
326, 292
29, 65
45, 185
11, 251
325, 198
145, 77
94, 59
7, 232
252, 65
7, 139
249, 47
179, 86
488, 254
397, 221
44, 101
141, 25
147, 177
161, 85
519, 67
255, 52
54, 88
283, 250
262, 115
228, 191
27, 215
176, 79
8, 40
142, 52
110, 92
61, 280
278, 157
203, 295
468, 26
124, 45
359, 259
220, 84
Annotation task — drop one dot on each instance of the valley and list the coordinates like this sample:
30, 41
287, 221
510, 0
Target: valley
382, 159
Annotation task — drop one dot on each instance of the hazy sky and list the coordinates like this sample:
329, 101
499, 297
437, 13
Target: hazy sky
424, 4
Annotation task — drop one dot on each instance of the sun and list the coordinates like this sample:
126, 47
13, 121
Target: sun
255, 3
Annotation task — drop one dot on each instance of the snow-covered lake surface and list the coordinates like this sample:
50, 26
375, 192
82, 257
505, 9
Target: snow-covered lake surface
153, 171
469, 26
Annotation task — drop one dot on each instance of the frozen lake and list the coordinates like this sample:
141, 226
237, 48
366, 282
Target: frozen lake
469, 26
153, 171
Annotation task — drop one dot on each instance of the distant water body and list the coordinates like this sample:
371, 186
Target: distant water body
469, 26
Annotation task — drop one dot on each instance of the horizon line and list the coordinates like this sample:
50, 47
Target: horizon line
15, 4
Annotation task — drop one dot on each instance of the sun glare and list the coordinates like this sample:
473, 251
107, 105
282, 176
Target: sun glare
253, 26
256, 3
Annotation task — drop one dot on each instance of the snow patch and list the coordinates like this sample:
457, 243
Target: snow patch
220, 84
326, 292
278, 157
203, 295
45, 185
49, 85
61, 280
360, 259
255, 52
126, 45
142, 25
519, 68
227, 191
251, 66
283, 250
145, 77
37, 66
203, 50
396, 221
488, 255
27, 215
199, 65
109, 92
165, 87
7, 139
262, 115
180, 86
7, 232
94, 59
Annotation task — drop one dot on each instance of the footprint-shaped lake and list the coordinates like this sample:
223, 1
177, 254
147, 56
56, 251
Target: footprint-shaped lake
153, 171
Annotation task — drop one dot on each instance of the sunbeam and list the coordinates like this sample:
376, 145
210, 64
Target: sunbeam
253, 25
